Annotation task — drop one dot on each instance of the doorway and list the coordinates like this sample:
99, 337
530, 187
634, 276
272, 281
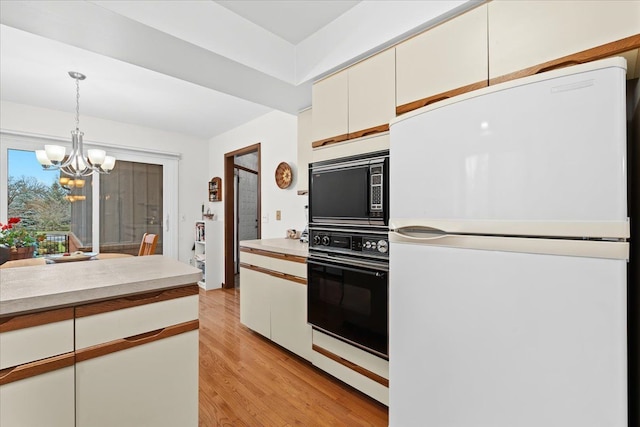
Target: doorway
246, 201
242, 211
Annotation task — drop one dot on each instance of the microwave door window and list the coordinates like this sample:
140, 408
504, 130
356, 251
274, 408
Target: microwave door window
340, 194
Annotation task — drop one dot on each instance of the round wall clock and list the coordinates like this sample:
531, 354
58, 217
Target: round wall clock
284, 175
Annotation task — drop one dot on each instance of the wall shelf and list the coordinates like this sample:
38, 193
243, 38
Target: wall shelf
215, 189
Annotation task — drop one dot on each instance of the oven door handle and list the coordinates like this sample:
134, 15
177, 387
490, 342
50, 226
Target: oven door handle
352, 266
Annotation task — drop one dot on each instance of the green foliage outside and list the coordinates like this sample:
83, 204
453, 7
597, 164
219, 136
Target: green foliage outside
41, 207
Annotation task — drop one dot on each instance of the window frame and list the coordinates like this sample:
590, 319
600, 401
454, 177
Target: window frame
169, 162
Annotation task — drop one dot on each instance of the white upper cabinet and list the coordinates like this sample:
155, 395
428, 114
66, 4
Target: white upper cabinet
305, 138
355, 102
449, 56
372, 93
331, 107
523, 34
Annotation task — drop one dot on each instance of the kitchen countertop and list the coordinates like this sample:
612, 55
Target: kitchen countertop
42, 287
283, 246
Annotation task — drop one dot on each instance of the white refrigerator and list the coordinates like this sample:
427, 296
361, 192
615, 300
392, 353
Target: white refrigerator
508, 255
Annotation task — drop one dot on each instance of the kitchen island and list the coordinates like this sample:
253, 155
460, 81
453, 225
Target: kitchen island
99, 343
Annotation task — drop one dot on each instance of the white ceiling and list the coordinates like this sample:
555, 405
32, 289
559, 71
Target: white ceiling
193, 67
294, 21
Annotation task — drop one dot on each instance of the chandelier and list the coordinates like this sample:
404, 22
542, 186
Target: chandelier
77, 163
69, 185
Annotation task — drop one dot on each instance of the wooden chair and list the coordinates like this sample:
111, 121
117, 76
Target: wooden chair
148, 245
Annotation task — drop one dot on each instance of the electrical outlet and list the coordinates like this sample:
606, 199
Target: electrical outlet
278, 215
265, 218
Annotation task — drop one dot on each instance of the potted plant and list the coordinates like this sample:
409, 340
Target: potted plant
20, 241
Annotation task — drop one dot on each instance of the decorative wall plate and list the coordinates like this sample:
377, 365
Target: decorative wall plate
284, 175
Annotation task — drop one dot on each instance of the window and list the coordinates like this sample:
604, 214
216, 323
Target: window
139, 196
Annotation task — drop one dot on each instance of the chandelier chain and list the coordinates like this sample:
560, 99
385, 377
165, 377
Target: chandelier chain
77, 103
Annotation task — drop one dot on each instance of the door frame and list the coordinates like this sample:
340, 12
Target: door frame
230, 210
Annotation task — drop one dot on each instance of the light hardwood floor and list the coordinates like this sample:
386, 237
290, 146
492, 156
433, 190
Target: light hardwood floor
246, 380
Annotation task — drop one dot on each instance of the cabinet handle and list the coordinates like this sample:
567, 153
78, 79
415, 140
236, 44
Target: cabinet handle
273, 273
558, 65
141, 297
136, 300
369, 131
38, 367
328, 141
135, 340
145, 335
22, 321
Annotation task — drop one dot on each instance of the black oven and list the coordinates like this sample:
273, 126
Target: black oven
351, 190
348, 286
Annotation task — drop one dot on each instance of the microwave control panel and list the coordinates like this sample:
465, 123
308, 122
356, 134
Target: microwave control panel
376, 173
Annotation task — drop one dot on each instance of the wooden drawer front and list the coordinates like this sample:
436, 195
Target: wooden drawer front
361, 370
154, 384
47, 399
254, 259
291, 265
127, 322
25, 345
353, 354
367, 144
351, 377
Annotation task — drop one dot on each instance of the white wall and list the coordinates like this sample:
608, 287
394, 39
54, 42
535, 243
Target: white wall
192, 165
277, 133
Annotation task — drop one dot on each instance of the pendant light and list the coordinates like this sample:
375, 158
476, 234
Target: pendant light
77, 163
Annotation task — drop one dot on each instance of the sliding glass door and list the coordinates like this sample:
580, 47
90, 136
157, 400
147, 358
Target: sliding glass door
130, 206
108, 213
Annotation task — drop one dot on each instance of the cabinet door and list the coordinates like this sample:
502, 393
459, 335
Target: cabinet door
331, 108
372, 93
369, 144
255, 297
526, 33
450, 56
289, 326
42, 400
304, 149
154, 384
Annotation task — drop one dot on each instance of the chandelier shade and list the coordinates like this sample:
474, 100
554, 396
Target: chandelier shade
77, 163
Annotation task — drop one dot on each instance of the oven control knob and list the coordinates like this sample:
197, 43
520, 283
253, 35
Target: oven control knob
316, 240
326, 240
367, 245
383, 246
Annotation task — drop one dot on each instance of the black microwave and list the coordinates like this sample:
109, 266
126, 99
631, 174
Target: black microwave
350, 191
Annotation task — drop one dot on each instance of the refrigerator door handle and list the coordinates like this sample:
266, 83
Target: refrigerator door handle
568, 247
420, 233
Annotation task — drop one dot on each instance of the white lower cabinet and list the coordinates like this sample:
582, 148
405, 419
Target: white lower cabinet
289, 326
137, 360
36, 370
255, 308
273, 298
153, 384
46, 399
358, 368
